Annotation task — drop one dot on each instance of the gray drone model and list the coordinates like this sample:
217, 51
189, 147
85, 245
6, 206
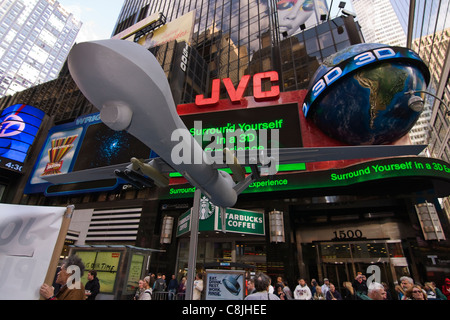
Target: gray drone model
127, 84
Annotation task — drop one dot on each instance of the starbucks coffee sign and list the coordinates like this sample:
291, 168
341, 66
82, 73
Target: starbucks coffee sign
236, 220
242, 221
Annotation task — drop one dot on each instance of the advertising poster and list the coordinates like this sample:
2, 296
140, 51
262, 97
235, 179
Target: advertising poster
225, 285
28, 236
180, 29
294, 13
57, 155
106, 263
135, 271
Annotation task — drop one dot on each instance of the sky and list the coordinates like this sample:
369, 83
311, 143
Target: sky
99, 16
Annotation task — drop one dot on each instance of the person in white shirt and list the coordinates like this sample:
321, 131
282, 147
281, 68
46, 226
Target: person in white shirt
325, 286
198, 287
302, 291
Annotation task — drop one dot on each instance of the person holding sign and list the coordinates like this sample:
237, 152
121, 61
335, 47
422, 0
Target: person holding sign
70, 280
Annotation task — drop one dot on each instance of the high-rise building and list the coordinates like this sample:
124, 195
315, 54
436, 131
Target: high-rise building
434, 50
431, 39
379, 22
35, 39
387, 21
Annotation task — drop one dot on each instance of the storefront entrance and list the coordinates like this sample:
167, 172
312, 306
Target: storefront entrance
224, 250
381, 260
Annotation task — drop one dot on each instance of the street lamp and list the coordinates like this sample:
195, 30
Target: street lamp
276, 225
166, 230
341, 6
416, 103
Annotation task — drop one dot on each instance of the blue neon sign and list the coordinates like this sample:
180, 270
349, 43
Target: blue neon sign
19, 125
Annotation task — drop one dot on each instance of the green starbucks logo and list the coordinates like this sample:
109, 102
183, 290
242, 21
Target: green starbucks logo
206, 208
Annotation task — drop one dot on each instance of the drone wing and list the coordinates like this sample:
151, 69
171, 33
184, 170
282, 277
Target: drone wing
147, 173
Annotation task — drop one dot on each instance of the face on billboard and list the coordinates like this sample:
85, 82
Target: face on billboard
293, 13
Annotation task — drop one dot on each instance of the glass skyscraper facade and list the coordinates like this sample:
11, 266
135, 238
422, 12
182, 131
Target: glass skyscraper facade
226, 33
35, 39
236, 38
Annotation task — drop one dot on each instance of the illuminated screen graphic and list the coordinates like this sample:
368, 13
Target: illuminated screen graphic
375, 170
19, 125
111, 147
84, 144
285, 118
57, 154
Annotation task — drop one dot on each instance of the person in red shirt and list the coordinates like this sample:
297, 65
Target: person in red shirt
446, 288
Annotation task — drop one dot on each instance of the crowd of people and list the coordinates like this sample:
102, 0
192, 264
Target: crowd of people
258, 287
156, 288
359, 289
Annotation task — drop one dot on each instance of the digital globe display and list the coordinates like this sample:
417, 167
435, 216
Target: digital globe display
357, 96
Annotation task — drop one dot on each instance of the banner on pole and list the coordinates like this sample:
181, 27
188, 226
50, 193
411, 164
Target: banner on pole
28, 235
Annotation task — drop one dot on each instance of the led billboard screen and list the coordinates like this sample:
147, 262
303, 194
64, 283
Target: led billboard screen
83, 144
19, 125
284, 118
111, 147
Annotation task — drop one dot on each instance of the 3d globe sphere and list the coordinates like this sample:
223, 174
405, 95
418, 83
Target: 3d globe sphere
357, 96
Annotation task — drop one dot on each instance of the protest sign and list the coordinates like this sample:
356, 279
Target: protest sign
28, 235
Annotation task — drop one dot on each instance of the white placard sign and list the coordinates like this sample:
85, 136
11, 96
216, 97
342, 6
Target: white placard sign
28, 235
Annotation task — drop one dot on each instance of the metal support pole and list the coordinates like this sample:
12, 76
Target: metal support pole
193, 245
412, 12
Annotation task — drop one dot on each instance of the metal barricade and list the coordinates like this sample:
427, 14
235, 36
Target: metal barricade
165, 295
160, 295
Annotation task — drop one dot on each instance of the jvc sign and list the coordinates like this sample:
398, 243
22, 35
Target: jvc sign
237, 94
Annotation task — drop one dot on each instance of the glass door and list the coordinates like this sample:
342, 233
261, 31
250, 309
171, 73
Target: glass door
381, 261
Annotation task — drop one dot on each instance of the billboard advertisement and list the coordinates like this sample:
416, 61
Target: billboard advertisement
69, 147
294, 13
225, 285
19, 125
180, 29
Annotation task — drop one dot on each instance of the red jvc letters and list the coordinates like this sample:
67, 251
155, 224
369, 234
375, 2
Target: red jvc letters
236, 94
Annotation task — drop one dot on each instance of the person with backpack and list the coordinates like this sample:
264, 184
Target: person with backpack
159, 286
